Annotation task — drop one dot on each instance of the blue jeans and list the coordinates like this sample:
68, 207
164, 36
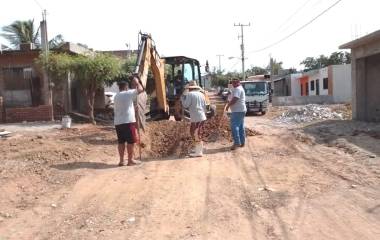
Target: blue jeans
237, 127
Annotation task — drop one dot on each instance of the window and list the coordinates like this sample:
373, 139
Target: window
312, 85
17, 78
255, 88
188, 72
325, 83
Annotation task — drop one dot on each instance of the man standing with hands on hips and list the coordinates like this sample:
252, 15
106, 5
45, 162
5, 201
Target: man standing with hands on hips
238, 111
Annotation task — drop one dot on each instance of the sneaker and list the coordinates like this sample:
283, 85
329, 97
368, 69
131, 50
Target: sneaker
242, 145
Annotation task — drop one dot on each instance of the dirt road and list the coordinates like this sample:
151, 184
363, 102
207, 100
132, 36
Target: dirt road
310, 182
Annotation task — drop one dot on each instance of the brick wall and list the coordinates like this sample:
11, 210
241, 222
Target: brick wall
30, 114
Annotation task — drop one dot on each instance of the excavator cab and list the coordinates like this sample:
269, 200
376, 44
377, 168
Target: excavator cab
179, 71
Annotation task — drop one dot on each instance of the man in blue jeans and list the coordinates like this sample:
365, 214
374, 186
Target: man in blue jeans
238, 110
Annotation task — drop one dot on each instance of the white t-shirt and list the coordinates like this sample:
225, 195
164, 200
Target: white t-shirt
124, 110
196, 103
239, 106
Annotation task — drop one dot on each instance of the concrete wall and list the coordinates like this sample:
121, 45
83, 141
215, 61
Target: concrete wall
295, 84
372, 73
282, 87
342, 86
290, 101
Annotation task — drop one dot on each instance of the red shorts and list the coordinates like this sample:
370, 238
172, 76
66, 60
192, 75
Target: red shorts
126, 132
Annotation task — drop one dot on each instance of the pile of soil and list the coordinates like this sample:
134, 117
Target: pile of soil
166, 138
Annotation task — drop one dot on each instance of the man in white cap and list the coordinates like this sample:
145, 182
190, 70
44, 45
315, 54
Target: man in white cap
194, 100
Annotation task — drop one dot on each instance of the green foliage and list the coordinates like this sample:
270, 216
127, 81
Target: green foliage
57, 65
95, 71
274, 67
21, 32
218, 79
56, 41
335, 58
92, 72
255, 70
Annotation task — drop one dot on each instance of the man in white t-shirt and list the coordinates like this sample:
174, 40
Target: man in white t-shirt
194, 100
124, 118
238, 111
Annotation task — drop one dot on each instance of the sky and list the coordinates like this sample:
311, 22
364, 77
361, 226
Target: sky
203, 29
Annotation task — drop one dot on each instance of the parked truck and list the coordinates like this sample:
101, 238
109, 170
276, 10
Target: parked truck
256, 95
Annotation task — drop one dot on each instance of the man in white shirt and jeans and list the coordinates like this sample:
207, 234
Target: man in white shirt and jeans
124, 118
238, 111
194, 100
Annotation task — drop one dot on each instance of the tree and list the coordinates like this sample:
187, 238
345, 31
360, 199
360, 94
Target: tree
56, 41
274, 67
21, 32
255, 70
92, 72
335, 58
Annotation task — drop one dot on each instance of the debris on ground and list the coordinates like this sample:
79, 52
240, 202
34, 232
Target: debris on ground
310, 113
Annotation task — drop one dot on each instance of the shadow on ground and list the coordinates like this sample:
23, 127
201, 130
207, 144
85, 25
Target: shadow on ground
83, 165
362, 134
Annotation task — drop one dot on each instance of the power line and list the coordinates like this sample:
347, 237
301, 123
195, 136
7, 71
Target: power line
291, 16
236, 63
296, 31
39, 4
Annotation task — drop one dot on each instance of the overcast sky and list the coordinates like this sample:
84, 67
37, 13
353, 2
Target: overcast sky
202, 29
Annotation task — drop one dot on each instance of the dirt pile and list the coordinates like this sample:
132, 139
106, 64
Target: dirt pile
310, 113
165, 138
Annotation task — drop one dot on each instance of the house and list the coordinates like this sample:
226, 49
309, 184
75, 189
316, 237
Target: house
24, 89
331, 84
26, 92
334, 80
286, 84
365, 72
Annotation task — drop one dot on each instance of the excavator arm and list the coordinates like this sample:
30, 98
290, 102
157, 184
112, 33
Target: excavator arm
148, 58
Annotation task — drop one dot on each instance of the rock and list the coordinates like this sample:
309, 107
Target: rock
132, 219
354, 186
40, 136
98, 139
53, 205
5, 215
372, 156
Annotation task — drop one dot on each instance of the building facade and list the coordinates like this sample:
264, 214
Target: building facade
365, 74
334, 80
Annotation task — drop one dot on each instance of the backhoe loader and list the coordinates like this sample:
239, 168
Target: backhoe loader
164, 79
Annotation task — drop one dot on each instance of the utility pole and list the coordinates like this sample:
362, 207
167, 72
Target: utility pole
220, 65
47, 85
242, 45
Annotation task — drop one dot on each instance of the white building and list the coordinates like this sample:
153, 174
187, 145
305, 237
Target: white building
334, 80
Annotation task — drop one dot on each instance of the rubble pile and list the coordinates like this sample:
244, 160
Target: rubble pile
309, 113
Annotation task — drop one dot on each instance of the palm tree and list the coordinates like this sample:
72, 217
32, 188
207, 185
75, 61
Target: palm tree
21, 32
